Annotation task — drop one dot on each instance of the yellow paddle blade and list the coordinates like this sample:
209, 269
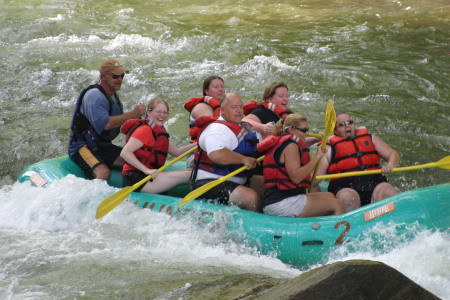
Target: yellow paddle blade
204, 188
330, 122
113, 201
443, 163
108, 204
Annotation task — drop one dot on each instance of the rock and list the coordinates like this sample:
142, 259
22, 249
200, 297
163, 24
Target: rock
353, 279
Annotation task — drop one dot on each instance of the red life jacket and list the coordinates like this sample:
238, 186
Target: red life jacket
152, 156
353, 154
246, 146
191, 103
275, 173
251, 105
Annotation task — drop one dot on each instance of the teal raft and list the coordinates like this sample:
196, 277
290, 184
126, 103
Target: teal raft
295, 241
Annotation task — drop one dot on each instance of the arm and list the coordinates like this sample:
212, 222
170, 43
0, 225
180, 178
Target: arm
387, 153
291, 158
218, 140
128, 155
200, 110
257, 125
322, 169
175, 151
226, 156
117, 121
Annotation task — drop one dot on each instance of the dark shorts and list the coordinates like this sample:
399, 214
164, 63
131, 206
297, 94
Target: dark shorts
88, 159
218, 194
364, 185
132, 177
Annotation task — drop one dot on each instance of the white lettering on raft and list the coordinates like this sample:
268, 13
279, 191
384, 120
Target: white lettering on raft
379, 211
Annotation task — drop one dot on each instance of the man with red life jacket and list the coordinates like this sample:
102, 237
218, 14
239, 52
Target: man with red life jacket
351, 150
146, 149
208, 105
226, 144
287, 168
96, 122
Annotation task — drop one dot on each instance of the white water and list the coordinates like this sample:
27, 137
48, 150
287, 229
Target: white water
51, 244
386, 63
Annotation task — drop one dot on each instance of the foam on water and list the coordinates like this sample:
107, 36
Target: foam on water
46, 230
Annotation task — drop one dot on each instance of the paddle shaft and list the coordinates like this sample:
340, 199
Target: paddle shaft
108, 204
138, 184
203, 189
442, 162
330, 122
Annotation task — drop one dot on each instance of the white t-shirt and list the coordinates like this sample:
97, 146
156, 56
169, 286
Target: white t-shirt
215, 137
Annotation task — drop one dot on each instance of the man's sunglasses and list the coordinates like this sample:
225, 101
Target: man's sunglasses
114, 76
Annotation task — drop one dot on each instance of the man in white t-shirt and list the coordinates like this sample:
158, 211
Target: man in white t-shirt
226, 145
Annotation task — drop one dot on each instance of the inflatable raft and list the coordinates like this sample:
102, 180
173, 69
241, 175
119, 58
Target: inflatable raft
296, 241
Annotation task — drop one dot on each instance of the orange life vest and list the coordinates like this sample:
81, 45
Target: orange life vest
275, 173
152, 156
246, 146
251, 105
353, 154
191, 103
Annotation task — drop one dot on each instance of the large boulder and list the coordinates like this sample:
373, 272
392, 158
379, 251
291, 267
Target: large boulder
353, 279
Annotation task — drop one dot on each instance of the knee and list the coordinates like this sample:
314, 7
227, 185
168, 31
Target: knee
389, 191
102, 172
349, 201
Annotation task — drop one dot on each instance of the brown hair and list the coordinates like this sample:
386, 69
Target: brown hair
283, 124
208, 81
155, 101
270, 90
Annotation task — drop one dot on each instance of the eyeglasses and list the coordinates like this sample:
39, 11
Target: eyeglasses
160, 112
305, 130
114, 76
342, 124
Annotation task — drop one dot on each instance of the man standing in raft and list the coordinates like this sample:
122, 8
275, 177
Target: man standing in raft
225, 145
96, 123
350, 150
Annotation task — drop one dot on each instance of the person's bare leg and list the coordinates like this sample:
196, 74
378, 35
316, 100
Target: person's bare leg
166, 181
321, 204
383, 190
350, 199
257, 184
102, 172
246, 198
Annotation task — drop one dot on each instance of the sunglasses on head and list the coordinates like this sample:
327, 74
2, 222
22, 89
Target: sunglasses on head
114, 76
304, 130
342, 124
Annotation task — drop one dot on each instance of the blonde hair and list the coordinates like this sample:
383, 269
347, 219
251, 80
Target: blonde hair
155, 101
283, 124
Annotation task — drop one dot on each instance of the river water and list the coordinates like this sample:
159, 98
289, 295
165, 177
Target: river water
384, 62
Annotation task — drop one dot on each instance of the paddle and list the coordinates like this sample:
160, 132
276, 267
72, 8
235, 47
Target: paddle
108, 204
204, 188
315, 135
330, 122
443, 163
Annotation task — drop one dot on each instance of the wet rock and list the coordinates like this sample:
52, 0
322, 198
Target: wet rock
353, 279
